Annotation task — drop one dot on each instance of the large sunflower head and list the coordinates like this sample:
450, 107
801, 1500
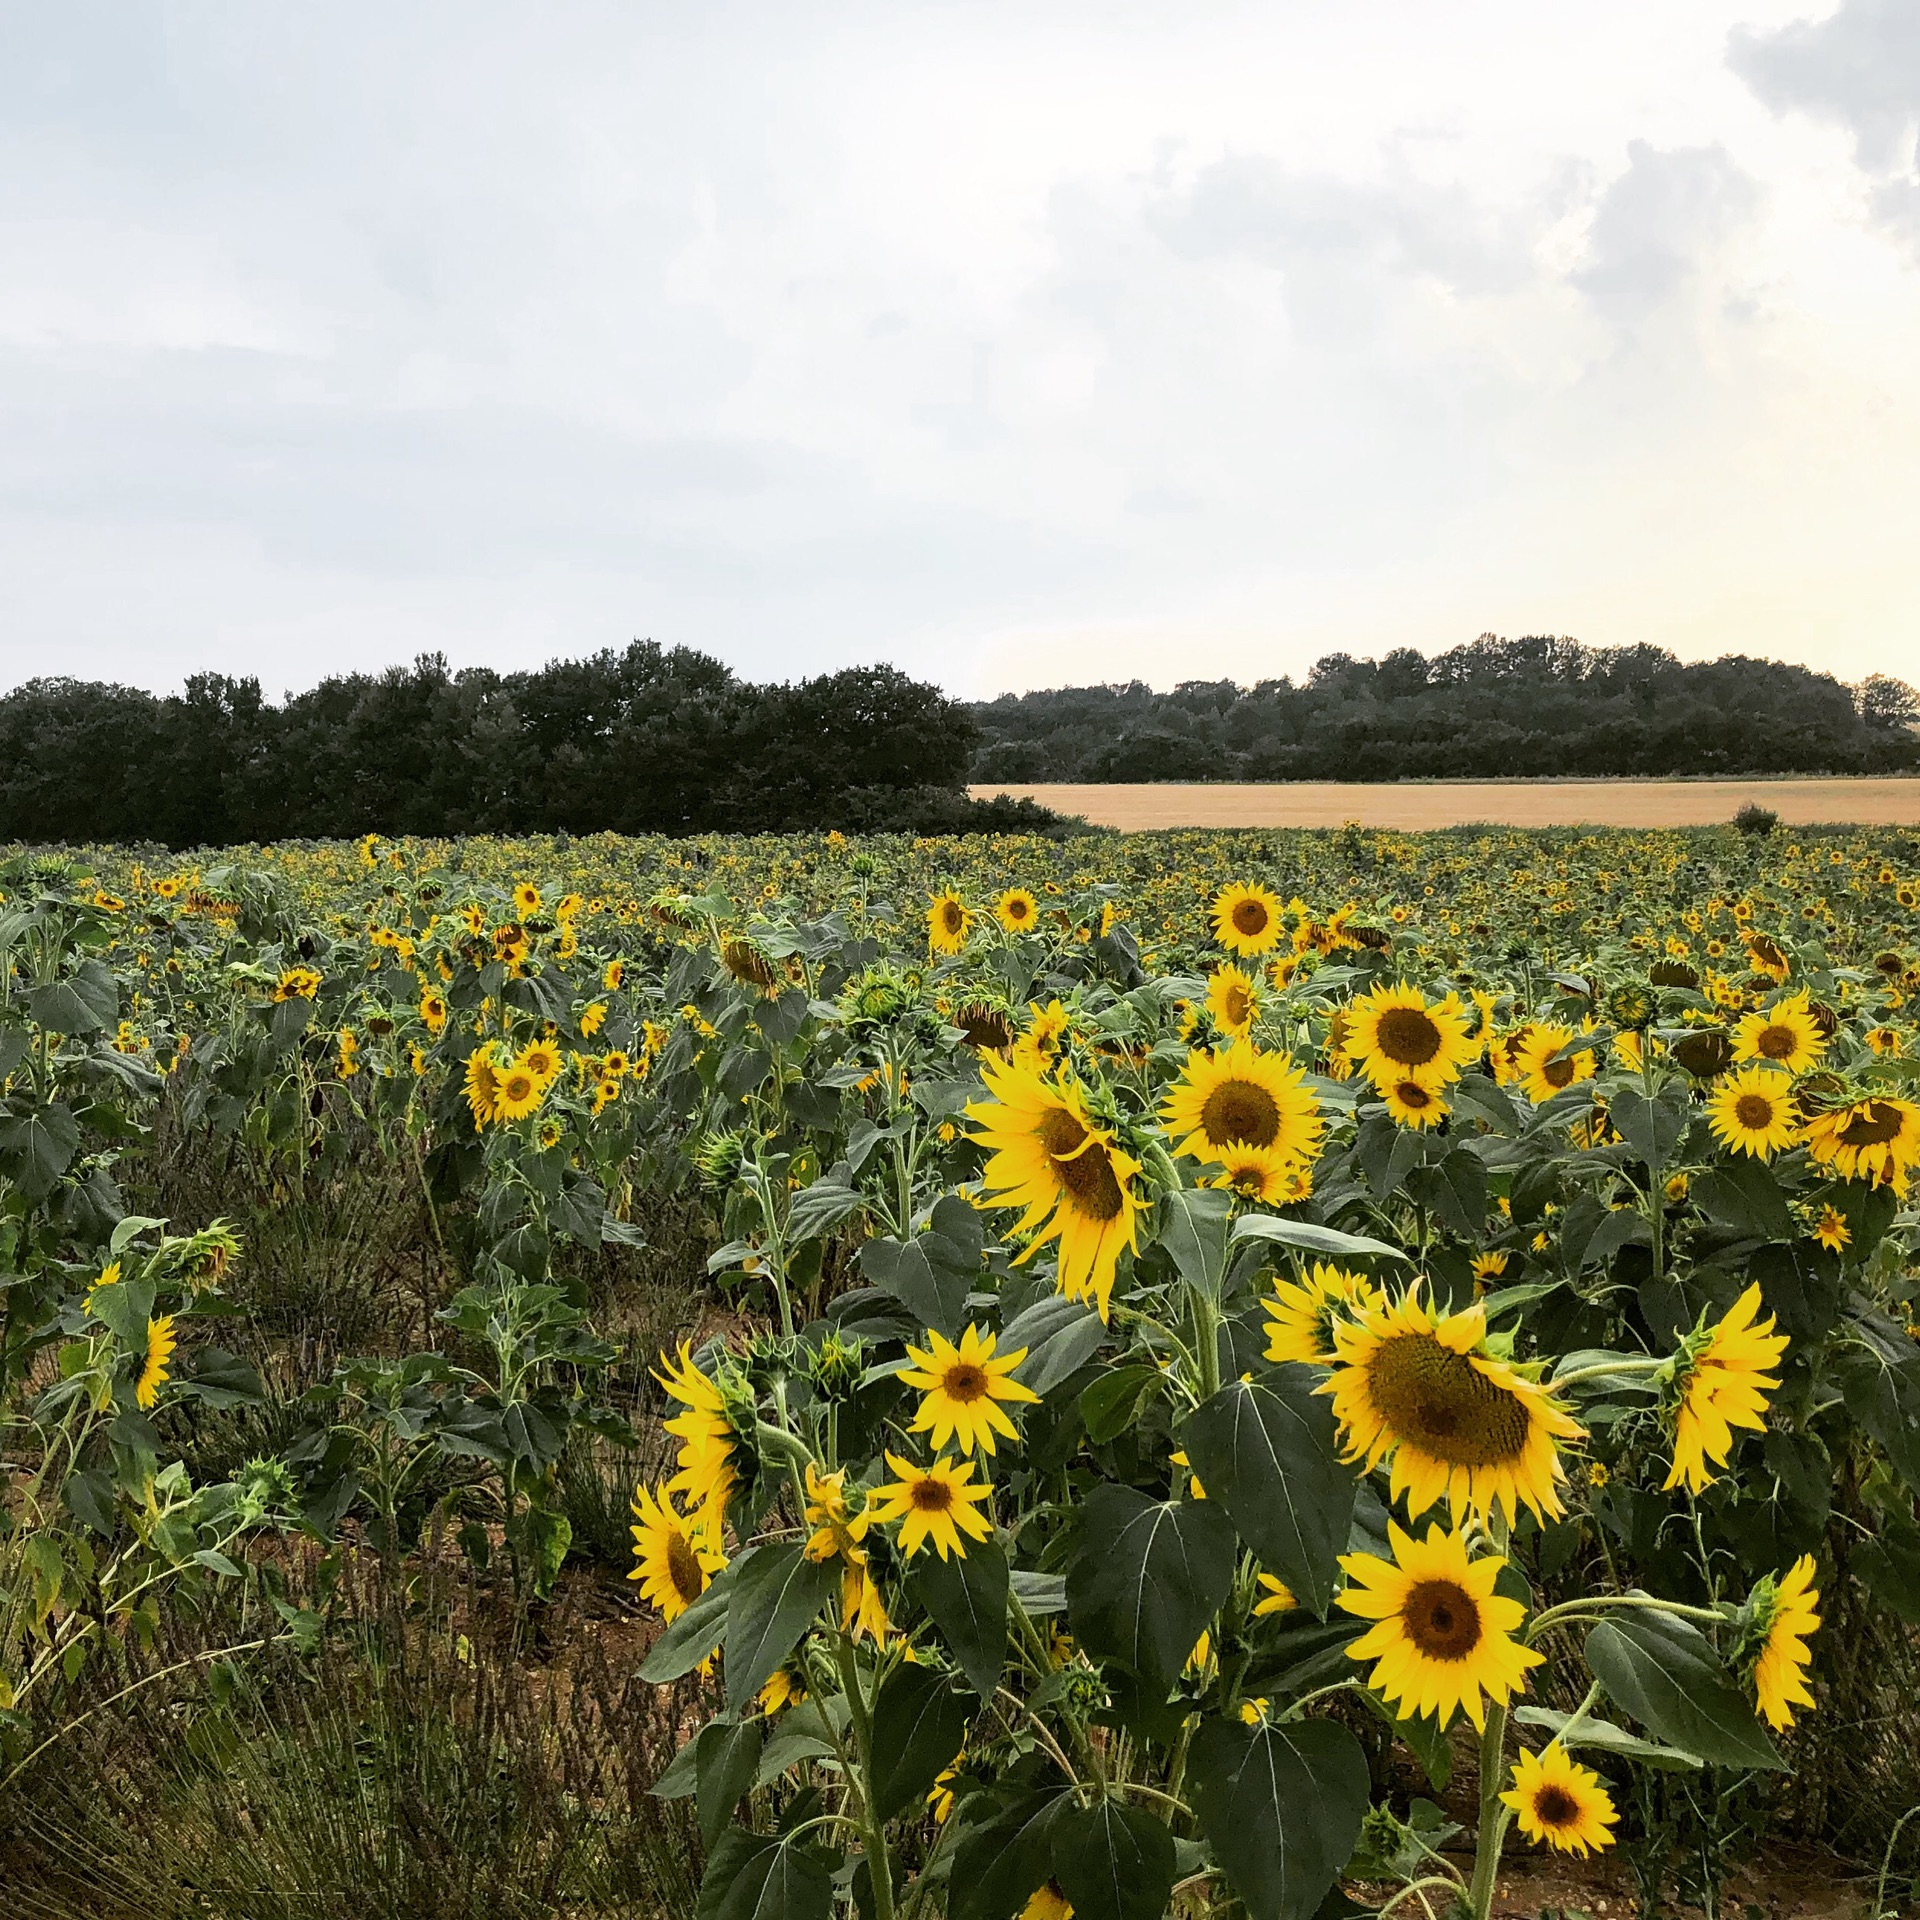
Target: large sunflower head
1442, 1638
1752, 1112
1246, 919
1395, 1035
1459, 1424
949, 920
1876, 1140
1017, 910
1560, 1802
1242, 1098
1719, 1379
1051, 1157
1411, 1104
1233, 1000
1782, 1611
1302, 1314
1785, 1034
1544, 1069
674, 1563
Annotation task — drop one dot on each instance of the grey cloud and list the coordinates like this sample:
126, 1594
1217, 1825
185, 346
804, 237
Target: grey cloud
1659, 225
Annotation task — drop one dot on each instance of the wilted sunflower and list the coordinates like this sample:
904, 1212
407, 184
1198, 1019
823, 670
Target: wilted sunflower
1242, 1098
1784, 1618
1301, 1314
949, 921
963, 1387
1460, 1424
1017, 910
1233, 999
1442, 1638
1876, 1140
1719, 1380
1752, 1112
1394, 1036
1785, 1033
1561, 1802
675, 1564
748, 962
708, 1470
1246, 919
1050, 1156
158, 1357
936, 1503
1541, 1068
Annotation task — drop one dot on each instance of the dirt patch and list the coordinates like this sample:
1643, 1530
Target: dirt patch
1511, 803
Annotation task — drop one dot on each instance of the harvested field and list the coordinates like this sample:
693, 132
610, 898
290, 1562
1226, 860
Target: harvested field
1507, 803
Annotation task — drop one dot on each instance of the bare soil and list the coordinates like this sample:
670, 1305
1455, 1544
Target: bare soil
1453, 803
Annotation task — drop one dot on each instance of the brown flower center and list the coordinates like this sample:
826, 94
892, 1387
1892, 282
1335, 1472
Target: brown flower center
1407, 1036
1081, 1166
1441, 1619
1240, 1113
1754, 1111
1250, 918
1440, 1402
1558, 1073
1412, 1094
1777, 1042
1555, 1807
931, 1496
1872, 1124
965, 1382
689, 1577
951, 917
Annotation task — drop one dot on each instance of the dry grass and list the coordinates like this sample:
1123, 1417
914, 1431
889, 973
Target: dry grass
1513, 803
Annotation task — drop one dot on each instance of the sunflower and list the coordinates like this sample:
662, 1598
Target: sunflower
1050, 1156
1784, 1615
1263, 1176
1017, 910
1394, 1035
616, 971
785, 1689
1047, 1903
1276, 1596
948, 922
1541, 1075
1302, 1314
541, 1058
483, 1083
1046, 1034
863, 1612
1413, 1105
1752, 1112
1459, 1424
1720, 1381
1831, 1229
675, 1561
1876, 1140
1246, 919
517, 1092
1785, 1034
153, 1371
297, 983
1561, 1802
1766, 956
526, 898
433, 1010
936, 1503
1442, 1637
708, 1470
1233, 999
963, 1387
1242, 1098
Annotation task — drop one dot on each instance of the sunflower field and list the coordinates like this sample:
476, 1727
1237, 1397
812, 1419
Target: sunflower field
1263, 1373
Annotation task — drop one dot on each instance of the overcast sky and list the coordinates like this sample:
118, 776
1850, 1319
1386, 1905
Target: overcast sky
1016, 343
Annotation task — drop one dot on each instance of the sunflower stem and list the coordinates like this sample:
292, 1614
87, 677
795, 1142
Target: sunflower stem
879, 1864
1571, 1610
1493, 1815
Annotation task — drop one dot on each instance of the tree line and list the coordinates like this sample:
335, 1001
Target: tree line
648, 740
1490, 708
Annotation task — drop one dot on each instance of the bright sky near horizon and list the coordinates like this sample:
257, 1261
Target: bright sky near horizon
1019, 342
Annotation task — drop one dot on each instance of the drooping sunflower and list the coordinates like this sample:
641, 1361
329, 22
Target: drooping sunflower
1876, 1140
1301, 1314
1017, 910
675, 1562
1785, 1033
1050, 1156
1256, 1173
1233, 999
1460, 1425
1442, 1637
709, 1469
1394, 1035
1557, 1800
1242, 1098
1752, 1112
1246, 919
1540, 1073
1785, 1620
1413, 1105
937, 1503
1720, 1380
963, 1388
157, 1362
949, 921
483, 1084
